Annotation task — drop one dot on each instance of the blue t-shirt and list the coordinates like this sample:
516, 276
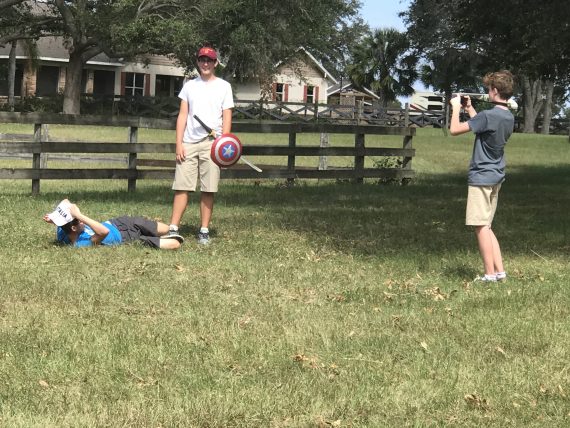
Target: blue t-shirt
492, 129
84, 239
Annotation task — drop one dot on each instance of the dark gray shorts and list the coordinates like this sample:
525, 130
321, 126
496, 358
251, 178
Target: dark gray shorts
137, 229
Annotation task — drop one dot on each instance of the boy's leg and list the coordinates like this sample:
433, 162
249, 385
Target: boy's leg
206, 208
209, 180
161, 228
485, 242
169, 244
497, 256
178, 206
185, 179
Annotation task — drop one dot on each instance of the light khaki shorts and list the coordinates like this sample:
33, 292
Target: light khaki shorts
481, 205
197, 163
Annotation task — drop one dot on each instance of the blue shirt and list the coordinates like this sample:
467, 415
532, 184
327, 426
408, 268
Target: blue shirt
492, 129
84, 239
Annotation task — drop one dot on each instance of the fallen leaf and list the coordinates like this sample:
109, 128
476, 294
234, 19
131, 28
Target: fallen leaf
43, 384
424, 345
435, 293
300, 358
500, 350
180, 268
476, 401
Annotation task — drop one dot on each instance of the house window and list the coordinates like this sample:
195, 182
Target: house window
162, 88
279, 92
47, 81
178, 83
103, 82
134, 84
17, 81
311, 92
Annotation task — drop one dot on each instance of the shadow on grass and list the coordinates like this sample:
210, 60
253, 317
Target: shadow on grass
425, 217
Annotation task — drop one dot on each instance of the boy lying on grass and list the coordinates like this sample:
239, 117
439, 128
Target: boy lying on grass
75, 228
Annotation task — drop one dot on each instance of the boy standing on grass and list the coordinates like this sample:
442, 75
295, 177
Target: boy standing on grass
77, 229
210, 99
492, 129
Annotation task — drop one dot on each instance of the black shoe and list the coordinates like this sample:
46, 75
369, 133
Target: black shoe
173, 234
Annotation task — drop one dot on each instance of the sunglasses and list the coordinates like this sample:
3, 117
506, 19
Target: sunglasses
206, 59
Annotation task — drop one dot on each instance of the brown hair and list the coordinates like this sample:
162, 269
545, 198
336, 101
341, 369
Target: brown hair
67, 226
502, 81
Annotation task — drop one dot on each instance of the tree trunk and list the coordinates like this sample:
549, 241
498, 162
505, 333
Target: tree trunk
547, 113
72, 90
532, 102
12, 74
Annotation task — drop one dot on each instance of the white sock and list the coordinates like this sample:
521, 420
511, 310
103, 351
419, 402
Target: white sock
204, 230
173, 228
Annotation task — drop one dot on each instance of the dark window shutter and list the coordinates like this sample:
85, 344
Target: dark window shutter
286, 95
316, 93
147, 85
305, 93
123, 78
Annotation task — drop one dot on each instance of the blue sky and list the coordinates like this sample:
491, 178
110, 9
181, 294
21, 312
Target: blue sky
383, 13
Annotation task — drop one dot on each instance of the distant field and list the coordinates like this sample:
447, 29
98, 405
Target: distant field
323, 304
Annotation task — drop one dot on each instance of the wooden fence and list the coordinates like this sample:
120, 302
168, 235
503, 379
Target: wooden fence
137, 169
359, 113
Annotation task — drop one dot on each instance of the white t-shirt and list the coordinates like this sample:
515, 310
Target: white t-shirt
207, 100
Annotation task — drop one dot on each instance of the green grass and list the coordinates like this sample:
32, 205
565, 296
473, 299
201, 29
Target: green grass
324, 304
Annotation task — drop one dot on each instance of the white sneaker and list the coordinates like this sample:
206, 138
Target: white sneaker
501, 276
486, 278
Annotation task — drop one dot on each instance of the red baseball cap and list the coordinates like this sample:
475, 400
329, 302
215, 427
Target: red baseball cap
208, 52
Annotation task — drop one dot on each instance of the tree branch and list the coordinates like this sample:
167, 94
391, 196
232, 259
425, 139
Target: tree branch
8, 3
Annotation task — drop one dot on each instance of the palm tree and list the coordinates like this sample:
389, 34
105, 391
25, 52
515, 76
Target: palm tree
383, 62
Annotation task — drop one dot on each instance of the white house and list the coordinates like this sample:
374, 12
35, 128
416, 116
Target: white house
300, 79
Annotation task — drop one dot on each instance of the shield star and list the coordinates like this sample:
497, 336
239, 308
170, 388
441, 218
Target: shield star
228, 151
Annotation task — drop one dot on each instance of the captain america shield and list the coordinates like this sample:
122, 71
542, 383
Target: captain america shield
226, 150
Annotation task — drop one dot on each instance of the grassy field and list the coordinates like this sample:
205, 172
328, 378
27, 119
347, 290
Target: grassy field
324, 304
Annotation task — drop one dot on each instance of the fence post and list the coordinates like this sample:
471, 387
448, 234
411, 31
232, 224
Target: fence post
359, 111
133, 136
406, 160
45, 137
37, 158
323, 159
359, 159
407, 115
291, 158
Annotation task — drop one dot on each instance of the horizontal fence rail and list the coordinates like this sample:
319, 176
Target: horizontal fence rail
359, 113
135, 168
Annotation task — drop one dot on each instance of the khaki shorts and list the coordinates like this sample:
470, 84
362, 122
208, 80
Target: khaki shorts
197, 162
481, 205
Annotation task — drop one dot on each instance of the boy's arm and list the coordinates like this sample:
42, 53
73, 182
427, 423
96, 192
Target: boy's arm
181, 123
226, 121
456, 127
99, 230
